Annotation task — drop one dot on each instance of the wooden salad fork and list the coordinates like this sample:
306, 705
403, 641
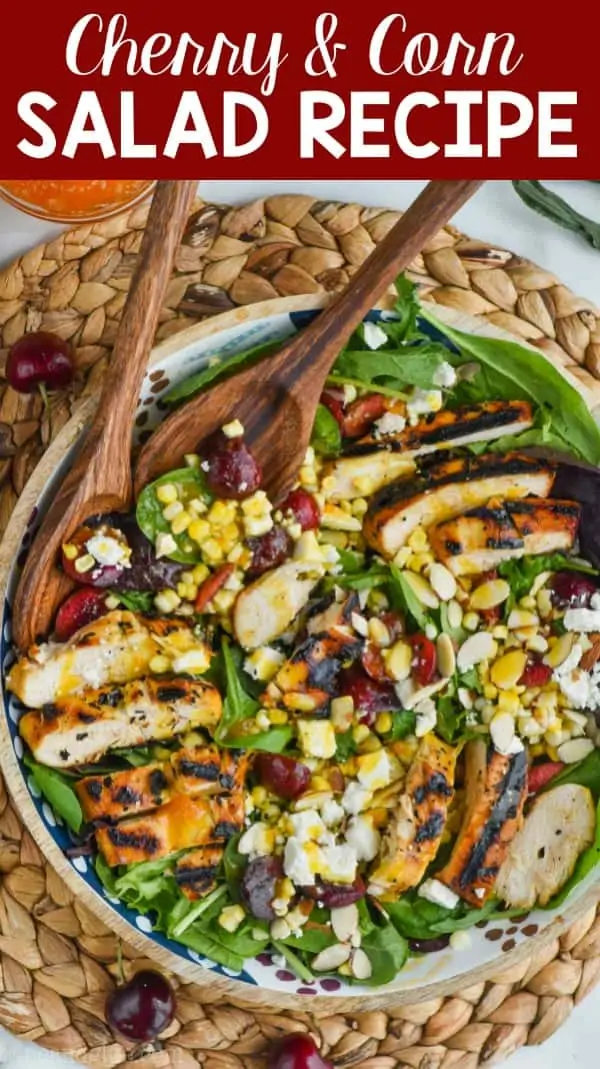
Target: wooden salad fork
100, 479
276, 399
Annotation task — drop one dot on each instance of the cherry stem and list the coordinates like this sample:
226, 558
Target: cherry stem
47, 409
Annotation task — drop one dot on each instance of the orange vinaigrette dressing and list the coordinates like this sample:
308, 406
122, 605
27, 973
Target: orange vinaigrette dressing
65, 200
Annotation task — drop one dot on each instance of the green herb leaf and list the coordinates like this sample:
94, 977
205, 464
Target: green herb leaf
558, 210
190, 483
135, 600
512, 372
414, 365
345, 746
416, 918
326, 438
403, 724
450, 719
239, 706
58, 792
387, 951
219, 370
405, 595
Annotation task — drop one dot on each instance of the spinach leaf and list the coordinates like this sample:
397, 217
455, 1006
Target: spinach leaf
586, 862
191, 484
205, 944
557, 210
219, 369
135, 600
451, 718
586, 773
521, 573
416, 918
406, 597
326, 437
239, 706
387, 951
414, 365
512, 372
58, 792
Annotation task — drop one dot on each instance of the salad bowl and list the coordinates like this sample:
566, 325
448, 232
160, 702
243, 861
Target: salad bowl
492, 944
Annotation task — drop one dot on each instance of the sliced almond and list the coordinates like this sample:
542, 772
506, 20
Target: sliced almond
331, 958
411, 696
344, 922
575, 750
522, 618
476, 648
360, 965
422, 589
560, 650
592, 654
507, 670
442, 582
489, 595
446, 657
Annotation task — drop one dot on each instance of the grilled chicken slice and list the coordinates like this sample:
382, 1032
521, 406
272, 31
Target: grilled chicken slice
415, 830
196, 873
448, 488
542, 856
314, 667
360, 476
496, 791
500, 530
77, 730
450, 429
179, 824
194, 770
330, 612
266, 608
117, 648
119, 794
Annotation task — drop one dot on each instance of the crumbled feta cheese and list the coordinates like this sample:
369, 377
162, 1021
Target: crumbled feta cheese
576, 687
363, 838
582, 619
338, 863
317, 738
390, 423
356, 798
445, 376
374, 770
307, 825
193, 661
374, 335
426, 717
422, 402
109, 551
263, 663
257, 840
297, 863
437, 892
595, 601
332, 812
235, 429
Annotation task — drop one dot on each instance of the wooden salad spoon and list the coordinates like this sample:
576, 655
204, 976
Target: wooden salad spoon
100, 479
276, 399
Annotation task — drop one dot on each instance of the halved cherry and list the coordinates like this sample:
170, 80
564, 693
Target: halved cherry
211, 586
304, 509
80, 609
572, 589
283, 776
334, 401
362, 413
232, 470
424, 659
535, 674
370, 696
75, 553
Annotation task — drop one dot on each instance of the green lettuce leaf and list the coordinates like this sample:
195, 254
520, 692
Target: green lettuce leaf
220, 369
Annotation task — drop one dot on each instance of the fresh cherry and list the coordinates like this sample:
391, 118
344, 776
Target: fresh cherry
98, 575
370, 696
142, 1008
362, 413
269, 550
232, 470
258, 886
283, 776
535, 674
304, 509
40, 359
80, 609
336, 895
572, 589
296, 1051
424, 659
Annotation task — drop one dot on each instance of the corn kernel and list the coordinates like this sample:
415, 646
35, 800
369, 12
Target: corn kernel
159, 664
167, 601
192, 460
470, 621
197, 507
258, 795
402, 557
500, 632
370, 745
301, 703
231, 917
223, 600
398, 660
360, 733
166, 494
198, 530
528, 602
255, 526
520, 618
235, 429
200, 573
181, 523
112, 602
508, 702
278, 716
364, 484
212, 551
490, 691
84, 564
419, 541
359, 506
70, 551
172, 510
383, 723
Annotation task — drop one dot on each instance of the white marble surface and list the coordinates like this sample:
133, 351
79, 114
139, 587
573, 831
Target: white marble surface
496, 215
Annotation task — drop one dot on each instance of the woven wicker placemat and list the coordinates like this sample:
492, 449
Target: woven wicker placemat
56, 960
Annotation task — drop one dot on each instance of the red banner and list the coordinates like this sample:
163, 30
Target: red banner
298, 91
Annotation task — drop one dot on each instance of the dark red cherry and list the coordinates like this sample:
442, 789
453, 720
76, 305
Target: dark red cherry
424, 659
40, 359
269, 550
232, 470
283, 776
370, 696
296, 1051
304, 509
334, 401
362, 413
572, 589
258, 886
142, 1008
336, 895
535, 674
80, 609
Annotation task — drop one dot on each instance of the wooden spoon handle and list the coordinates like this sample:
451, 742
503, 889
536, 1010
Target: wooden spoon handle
316, 350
